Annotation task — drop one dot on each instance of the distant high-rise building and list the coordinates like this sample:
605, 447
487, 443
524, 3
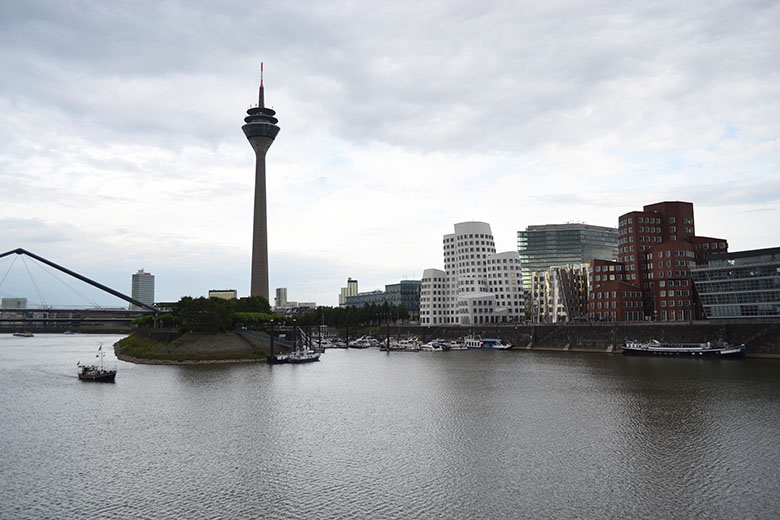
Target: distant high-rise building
350, 290
224, 294
477, 286
143, 288
545, 246
280, 300
14, 303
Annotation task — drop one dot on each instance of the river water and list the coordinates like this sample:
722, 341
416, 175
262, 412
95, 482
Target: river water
370, 434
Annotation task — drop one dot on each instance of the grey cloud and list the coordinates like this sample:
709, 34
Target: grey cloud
452, 75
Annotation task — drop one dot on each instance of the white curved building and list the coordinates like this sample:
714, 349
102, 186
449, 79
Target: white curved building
477, 286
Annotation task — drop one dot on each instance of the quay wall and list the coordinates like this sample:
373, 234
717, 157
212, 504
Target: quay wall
761, 339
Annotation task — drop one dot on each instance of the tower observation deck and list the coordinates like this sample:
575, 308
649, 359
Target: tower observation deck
260, 129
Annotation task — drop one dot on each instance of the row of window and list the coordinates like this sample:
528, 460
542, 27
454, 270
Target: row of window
736, 311
663, 294
755, 297
713, 245
608, 277
680, 303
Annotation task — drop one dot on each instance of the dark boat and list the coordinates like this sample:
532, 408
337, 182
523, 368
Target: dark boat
304, 355
656, 348
278, 359
96, 372
24, 334
301, 355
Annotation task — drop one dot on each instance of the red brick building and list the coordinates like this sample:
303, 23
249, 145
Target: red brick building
651, 280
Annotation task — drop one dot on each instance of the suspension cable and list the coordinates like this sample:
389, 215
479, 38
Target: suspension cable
63, 282
8, 271
32, 279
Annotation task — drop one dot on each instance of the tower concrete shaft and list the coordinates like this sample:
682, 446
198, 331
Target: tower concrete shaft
260, 129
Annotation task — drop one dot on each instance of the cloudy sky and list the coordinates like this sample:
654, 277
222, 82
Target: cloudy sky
121, 145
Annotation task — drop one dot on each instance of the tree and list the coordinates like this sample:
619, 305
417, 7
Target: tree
206, 315
251, 304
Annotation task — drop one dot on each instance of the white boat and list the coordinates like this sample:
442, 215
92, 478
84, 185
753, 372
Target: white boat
495, 344
478, 343
361, 342
405, 345
472, 342
456, 344
431, 346
303, 355
656, 348
324, 343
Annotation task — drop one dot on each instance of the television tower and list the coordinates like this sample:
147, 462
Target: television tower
260, 129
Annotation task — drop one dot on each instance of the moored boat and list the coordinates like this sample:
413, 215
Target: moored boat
456, 344
361, 342
24, 334
431, 346
656, 348
97, 373
495, 344
479, 343
303, 355
278, 359
409, 345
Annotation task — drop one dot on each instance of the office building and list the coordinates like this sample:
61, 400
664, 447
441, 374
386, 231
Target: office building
739, 285
477, 286
142, 288
14, 303
657, 248
560, 294
224, 294
405, 292
280, 300
544, 246
350, 290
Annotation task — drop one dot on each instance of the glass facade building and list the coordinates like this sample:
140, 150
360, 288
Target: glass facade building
743, 284
542, 247
405, 292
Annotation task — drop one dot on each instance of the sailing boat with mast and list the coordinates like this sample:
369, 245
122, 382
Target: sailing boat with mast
96, 372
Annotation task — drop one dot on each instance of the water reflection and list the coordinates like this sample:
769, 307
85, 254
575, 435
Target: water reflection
367, 434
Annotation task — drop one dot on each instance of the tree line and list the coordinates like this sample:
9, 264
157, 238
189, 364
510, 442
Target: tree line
214, 315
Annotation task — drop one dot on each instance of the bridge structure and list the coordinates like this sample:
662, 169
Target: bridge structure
63, 319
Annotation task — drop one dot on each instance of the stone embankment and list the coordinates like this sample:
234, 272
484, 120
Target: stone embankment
761, 339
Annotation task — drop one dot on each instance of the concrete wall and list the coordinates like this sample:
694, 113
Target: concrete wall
760, 339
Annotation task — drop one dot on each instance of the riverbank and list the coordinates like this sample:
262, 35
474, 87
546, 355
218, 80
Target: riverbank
761, 339
191, 349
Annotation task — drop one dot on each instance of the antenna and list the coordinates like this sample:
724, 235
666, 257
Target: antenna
261, 96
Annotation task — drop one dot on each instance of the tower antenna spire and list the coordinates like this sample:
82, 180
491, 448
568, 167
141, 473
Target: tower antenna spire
261, 96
